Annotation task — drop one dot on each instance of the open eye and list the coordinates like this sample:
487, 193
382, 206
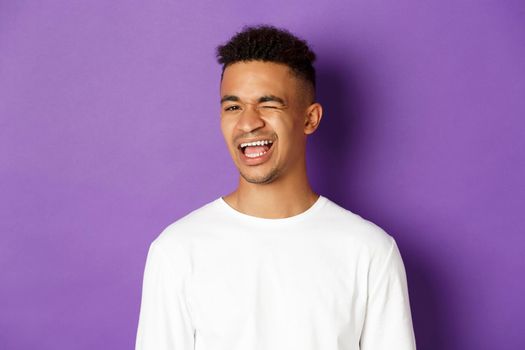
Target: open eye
232, 108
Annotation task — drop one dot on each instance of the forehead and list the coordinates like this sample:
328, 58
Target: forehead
255, 78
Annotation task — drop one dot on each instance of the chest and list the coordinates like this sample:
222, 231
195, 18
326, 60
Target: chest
269, 284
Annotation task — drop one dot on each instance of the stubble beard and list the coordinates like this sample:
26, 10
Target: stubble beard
264, 179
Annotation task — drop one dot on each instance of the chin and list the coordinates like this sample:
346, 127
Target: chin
260, 178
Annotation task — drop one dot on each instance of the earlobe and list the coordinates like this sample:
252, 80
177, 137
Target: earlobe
313, 118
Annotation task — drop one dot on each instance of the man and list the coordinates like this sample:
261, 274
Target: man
272, 265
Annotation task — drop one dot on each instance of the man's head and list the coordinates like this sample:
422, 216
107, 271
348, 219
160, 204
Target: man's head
267, 93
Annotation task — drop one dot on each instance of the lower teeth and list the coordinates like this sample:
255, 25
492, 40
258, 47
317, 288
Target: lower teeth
253, 155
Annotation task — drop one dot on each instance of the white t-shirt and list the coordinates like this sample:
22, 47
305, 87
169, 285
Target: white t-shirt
325, 279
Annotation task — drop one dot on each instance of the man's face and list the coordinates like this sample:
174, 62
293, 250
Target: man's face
263, 101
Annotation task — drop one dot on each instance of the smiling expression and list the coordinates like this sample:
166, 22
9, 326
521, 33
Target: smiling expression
264, 109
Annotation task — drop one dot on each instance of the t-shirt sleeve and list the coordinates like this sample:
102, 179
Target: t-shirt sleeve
388, 321
165, 320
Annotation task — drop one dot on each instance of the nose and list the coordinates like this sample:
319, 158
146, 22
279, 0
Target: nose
250, 119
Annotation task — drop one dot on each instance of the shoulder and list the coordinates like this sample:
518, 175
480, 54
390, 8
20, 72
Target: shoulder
362, 232
367, 242
180, 233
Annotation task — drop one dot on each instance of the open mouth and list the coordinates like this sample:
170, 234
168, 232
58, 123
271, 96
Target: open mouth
256, 148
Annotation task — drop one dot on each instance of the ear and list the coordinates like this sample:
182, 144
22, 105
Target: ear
314, 112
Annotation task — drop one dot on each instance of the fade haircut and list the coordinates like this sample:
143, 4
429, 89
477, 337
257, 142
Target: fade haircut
270, 44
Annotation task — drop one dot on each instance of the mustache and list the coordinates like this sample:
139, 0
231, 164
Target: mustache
251, 135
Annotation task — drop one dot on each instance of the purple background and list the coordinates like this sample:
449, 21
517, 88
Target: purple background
109, 131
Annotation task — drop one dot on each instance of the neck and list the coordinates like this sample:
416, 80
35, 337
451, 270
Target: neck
284, 197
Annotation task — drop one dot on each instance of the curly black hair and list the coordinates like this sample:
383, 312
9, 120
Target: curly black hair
268, 43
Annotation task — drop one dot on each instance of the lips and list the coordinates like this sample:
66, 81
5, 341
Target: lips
255, 154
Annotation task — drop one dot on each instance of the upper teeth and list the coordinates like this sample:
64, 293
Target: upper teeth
256, 143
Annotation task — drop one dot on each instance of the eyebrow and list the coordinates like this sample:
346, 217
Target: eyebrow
229, 98
262, 99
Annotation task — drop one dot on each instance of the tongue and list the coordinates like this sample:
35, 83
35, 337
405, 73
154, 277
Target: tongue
255, 149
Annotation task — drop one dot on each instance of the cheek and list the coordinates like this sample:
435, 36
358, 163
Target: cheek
290, 129
294, 139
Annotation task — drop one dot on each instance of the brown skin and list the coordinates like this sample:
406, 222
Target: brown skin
279, 187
